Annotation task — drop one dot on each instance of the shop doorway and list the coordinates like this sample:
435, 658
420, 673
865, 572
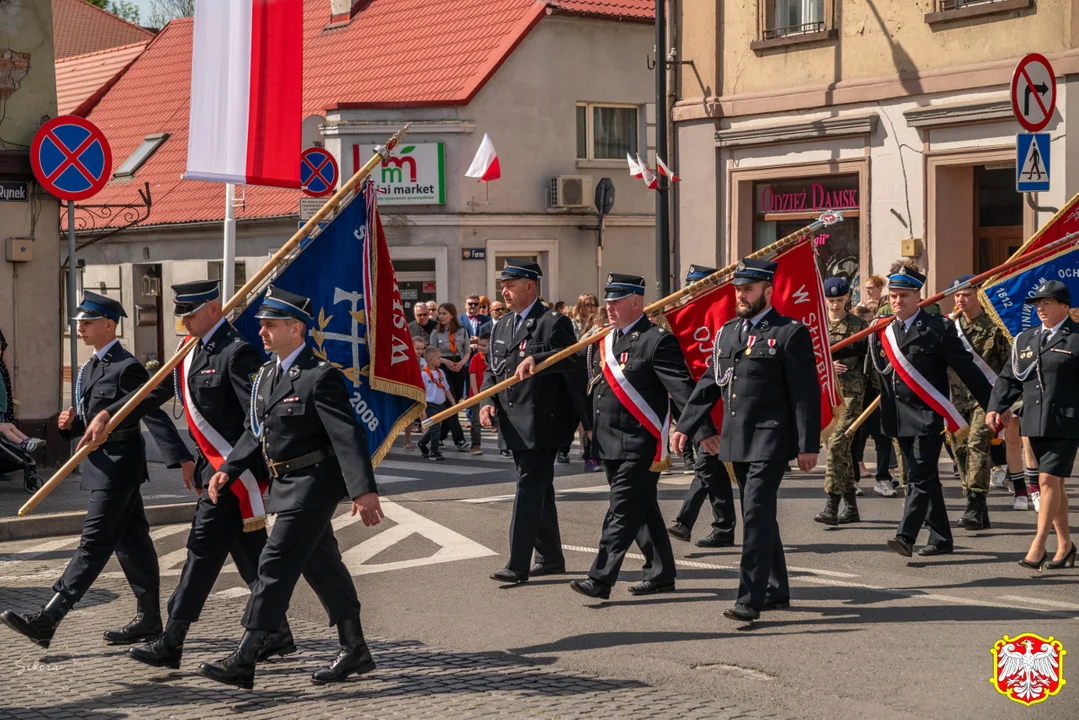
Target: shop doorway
998, 216
416, 279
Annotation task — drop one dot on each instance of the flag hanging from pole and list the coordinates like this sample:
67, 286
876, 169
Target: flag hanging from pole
485, 166
246, 92
666, 171
360, 324
1004, 297
634, 167
646, 174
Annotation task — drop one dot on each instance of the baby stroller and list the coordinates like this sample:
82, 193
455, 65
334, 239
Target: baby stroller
13, 458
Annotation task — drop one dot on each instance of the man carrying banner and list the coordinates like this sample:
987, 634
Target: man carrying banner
841, 473
535, 418
990, 348
214, 386
710, 480
634, 373
303, 425
764, 369
912, 356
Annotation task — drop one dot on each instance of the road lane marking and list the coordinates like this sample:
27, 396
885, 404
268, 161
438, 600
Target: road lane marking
595, 489
441, 468
712, 566
233, 592
1037, 601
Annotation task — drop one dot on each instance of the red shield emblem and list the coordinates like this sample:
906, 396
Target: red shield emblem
1028, 669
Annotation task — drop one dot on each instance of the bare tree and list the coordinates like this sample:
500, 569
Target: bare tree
162, 11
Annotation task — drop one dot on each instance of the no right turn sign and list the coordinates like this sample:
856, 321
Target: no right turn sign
1034, 92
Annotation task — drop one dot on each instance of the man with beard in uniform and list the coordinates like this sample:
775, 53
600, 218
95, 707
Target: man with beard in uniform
841, 473
303, 425
216, 396
113, 473
636, 370
535, 417
764, 368
990, 347
710, 481
912, 400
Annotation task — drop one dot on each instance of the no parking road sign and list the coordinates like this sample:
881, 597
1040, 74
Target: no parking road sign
71, 158
1034, 92
318, 172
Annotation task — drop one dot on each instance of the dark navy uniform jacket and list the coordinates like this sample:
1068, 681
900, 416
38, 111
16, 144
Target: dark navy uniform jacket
120, 461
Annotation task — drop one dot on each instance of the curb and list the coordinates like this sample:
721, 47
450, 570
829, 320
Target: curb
70, 523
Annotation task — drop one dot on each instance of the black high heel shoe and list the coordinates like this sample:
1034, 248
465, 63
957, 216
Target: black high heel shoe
1067, 561
1035, 566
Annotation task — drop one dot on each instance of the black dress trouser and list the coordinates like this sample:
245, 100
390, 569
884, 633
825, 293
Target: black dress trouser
535, 517
763, 571
925, 497
710, 480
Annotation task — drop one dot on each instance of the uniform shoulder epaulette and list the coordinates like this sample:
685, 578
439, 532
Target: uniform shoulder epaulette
660, 329
555, 313
322, 363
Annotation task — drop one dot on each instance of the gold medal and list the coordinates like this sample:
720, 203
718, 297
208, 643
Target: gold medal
749, 350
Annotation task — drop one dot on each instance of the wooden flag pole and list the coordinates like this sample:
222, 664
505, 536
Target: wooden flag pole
239, 298
829, 218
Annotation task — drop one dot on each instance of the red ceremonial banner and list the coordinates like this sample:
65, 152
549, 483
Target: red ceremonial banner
1065, 221
798, 293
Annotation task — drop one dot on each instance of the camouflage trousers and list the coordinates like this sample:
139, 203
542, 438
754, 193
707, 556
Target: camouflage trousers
839, 473
972, 455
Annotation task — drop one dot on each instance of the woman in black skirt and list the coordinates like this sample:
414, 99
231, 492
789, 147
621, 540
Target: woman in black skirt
452, 342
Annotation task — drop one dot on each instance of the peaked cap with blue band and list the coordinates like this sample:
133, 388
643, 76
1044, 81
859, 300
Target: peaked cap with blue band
620, 285
836, 287
189, 297
698, 272
751, 271
282, 305
98, 307
906, 279
518, 269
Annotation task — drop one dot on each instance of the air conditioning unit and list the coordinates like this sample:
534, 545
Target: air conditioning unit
570, 191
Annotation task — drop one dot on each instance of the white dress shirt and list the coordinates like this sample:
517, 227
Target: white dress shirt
285, 363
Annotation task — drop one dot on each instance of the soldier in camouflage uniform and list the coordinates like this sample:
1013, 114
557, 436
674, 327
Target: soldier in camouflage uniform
842, 474
987, 342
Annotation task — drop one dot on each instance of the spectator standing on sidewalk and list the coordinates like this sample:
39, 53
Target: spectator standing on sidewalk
452, 342
477, 366
439, 398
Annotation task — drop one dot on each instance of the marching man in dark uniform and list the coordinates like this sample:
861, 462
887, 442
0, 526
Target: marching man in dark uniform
215, 391
912, 356
113, 473
303, 425
1044, 370
535, 417
710, 481
841, 474
634, 372
764, 370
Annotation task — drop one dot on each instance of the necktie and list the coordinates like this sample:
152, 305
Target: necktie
743, 333
1045, 338
276, 378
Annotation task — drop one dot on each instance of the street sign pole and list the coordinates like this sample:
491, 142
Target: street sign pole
72, 302
663, 240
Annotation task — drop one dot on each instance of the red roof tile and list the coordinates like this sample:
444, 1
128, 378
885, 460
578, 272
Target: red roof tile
80, 28
81, 77
621, 9
393, 53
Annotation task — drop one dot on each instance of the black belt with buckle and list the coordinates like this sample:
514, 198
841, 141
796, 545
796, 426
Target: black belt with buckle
279, 469
123, 435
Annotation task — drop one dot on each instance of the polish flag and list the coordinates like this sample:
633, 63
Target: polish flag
246, 92
666, 171
646, 174
634, 167
485, 165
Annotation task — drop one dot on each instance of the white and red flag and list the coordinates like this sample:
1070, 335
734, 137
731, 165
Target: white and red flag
666, 171
647, 175
246, 92
485, 166
634, 167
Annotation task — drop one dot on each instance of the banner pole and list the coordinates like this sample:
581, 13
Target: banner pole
234, 302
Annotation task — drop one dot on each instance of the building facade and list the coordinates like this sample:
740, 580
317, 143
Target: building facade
896, 111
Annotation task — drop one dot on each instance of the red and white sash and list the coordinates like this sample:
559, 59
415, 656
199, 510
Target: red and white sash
924, 389
636, 405
216, 449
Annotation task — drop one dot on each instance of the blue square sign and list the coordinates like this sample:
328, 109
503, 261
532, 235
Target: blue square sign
1032, 162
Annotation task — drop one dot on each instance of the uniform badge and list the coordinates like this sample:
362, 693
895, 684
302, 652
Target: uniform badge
741, 265
291, 399
294, 373
771, 346
622, 361
207, 371
749, 343
634, 335
763, 326
530, 322
1026, 354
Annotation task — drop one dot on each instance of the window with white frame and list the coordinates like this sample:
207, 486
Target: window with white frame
606, 132
784, 18
140, 155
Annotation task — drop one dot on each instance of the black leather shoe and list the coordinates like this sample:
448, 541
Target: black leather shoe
715, 541
1067, 561
39, 626
280, 643
146, 625
930, 550
592, 588
353, 657
541, 569
775, 605
505, 575
679, 530
167, 649
238, 668
651, 587
562, 458
741, 613
901, 545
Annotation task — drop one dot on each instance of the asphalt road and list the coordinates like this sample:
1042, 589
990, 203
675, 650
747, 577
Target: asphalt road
869, 634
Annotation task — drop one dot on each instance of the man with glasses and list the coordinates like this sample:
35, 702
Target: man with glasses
424, 324
498, 309
472, 320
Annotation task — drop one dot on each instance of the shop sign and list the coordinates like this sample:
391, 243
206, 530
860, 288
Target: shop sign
812, 198
428, 287
473, 253
414, 175
14, 192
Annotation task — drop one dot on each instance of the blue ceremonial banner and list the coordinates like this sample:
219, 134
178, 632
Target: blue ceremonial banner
360, 324
1004, 298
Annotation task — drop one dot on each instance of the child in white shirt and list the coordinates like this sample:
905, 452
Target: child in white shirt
439, 397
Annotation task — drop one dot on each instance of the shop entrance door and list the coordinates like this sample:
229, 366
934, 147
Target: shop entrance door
998, 217
415, 281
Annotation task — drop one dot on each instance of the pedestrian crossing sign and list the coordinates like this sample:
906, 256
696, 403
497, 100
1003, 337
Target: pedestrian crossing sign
1032, 162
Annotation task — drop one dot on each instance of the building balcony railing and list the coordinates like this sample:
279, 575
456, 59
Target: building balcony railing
803, 29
